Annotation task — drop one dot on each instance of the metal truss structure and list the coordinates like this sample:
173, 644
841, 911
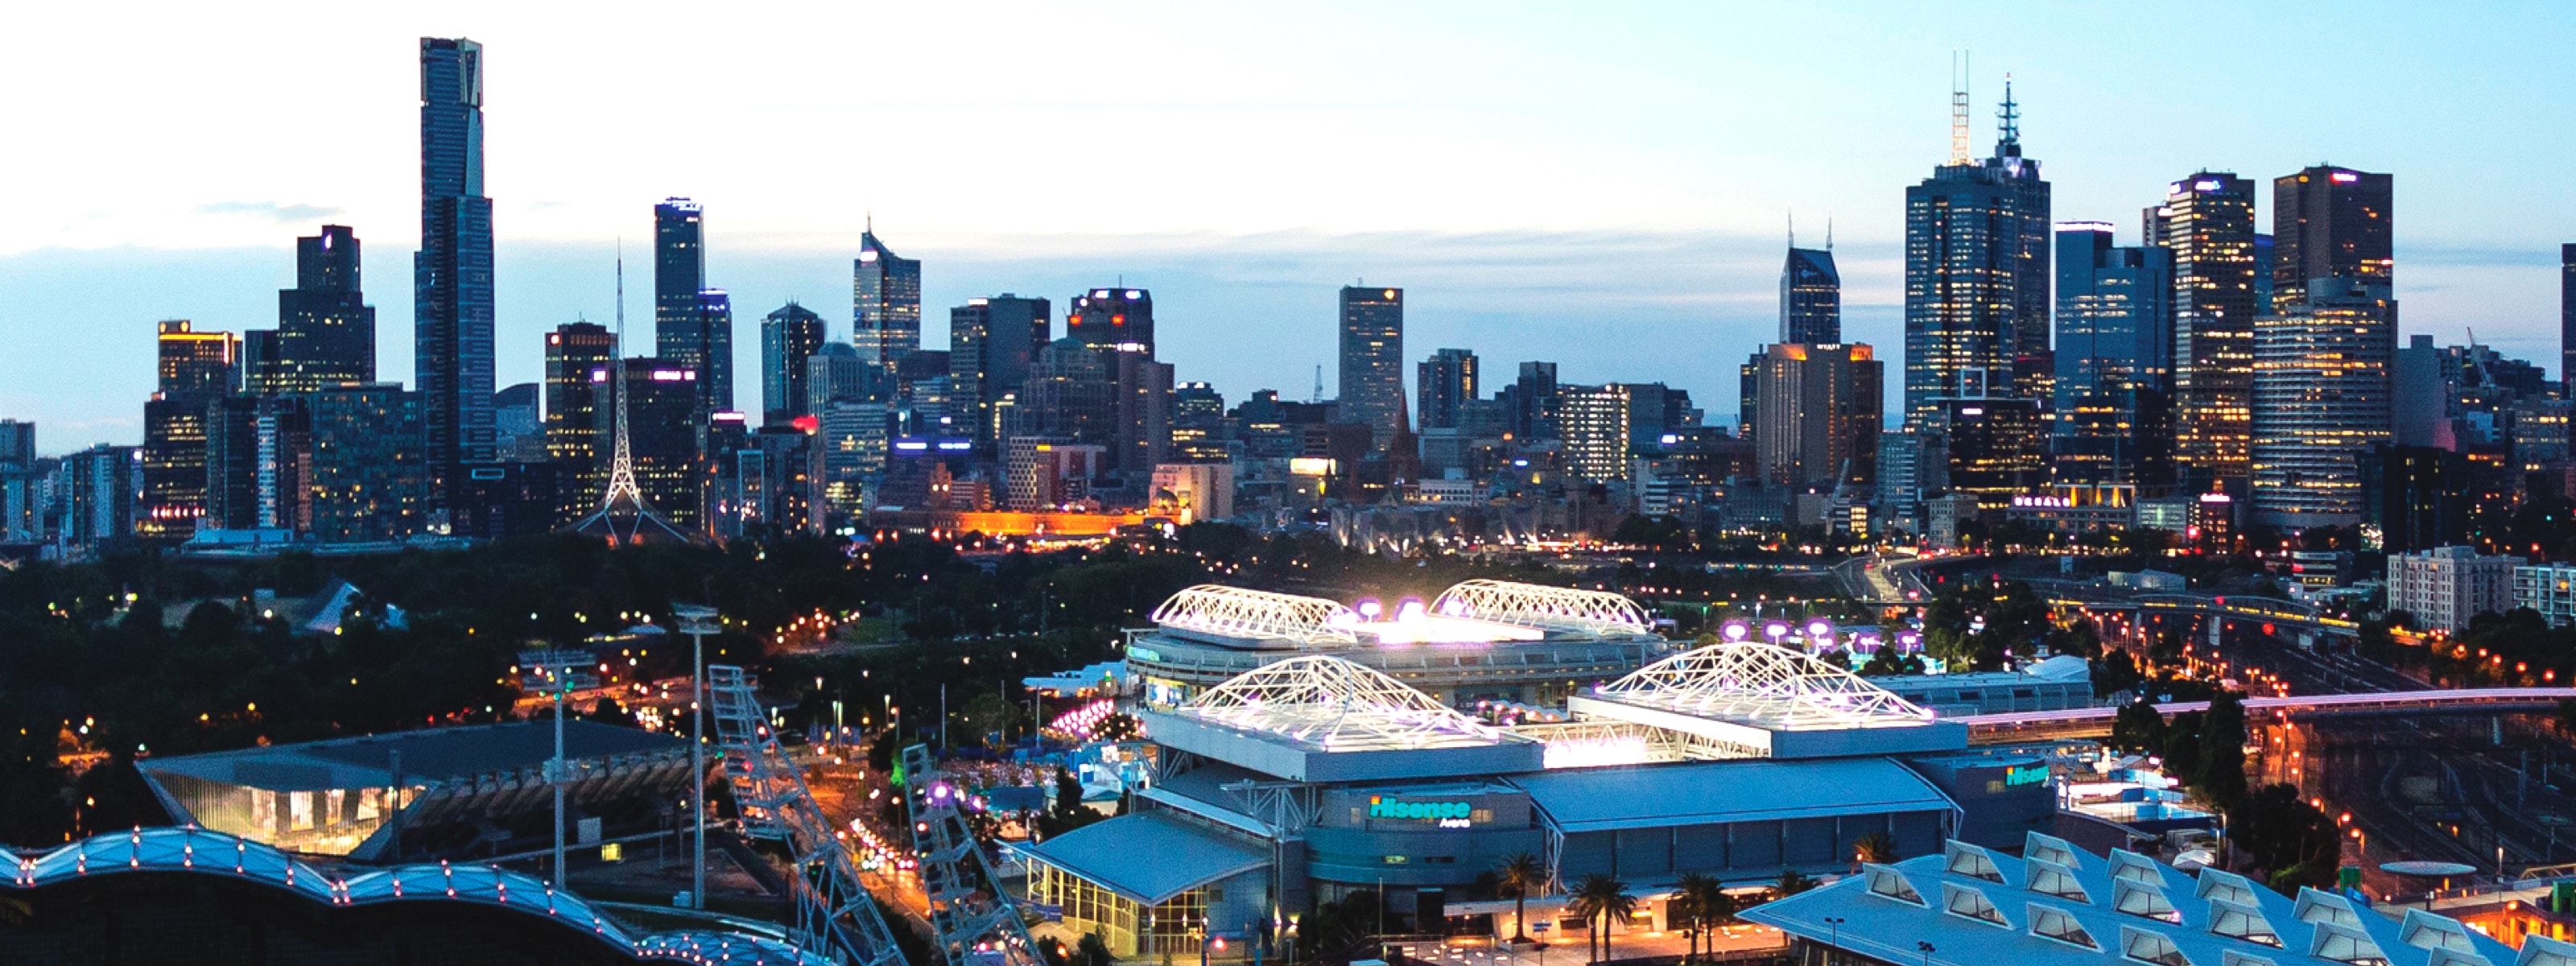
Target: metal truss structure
975, 923
1259, 615
1592, 612
833, 911
1339, 705
624, 515
1764, 685
1603, 742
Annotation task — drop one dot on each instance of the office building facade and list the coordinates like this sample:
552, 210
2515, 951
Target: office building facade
2321, 398
452, 286
1820, 414
1593, 423
789, 338
1446, 384
1811, 297
2443, 588
991, 344
1113, 318
368, 476
196, 370
2207, 222
1372, 362
2330, 223
1976, 276
885, 304
679, 274
2114, 359
326, 331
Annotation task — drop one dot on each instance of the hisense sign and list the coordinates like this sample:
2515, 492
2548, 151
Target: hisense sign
1448, 814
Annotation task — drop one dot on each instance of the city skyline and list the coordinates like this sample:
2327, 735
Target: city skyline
1649, 233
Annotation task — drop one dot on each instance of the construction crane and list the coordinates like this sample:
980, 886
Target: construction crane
834, 914
975, 921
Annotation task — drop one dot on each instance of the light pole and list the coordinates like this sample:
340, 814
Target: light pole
1834, 935
557, 673
697, 621
1927, 951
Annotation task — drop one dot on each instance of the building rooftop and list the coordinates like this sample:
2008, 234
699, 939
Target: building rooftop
1768, 701
1699, 793
1321, 718
1150, 857
2062, 905
430, 755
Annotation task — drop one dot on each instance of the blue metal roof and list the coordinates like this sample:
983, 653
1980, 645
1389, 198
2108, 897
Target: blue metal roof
1150, 857
2062, 905
198, 851
1699, 793
429, 755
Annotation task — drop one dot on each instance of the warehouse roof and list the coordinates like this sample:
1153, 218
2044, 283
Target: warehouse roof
1150, 857
1699, 793
429, 755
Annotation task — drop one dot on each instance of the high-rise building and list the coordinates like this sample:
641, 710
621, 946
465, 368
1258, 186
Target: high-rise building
518, 423
1198, 425
196, 370
2567, 313
1593, 423
1144, 418
1811, 297
991, 343
2114, 359
885, 302
1112, 318
2415, 497
1997, 448
578, 357
2207, 221
2444, 587
452, 272
1446, 383
679, 274
21, 503
2330, 222
1534, 402
836, 373
258, 460
95, 494
326, 331
663, 422
1820, 414
2321, 398
715, 374
368, 478
1071, 394
1976, 272
1372, 362
788, 338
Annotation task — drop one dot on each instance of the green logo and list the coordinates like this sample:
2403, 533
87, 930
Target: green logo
2019, 775
1445, 813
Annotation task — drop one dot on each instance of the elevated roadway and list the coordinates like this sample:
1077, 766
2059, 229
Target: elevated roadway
2096, 722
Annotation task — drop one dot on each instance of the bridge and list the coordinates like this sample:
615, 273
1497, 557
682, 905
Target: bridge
1990, 729
2297, 619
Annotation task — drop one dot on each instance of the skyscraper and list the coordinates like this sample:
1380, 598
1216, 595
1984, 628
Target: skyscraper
1820, 414
452, 272
367, 476
1446, 383
1372, 362
662, 426
2114, 359
1593, 425
679, 273
578, 357
2207, 221
788, 337
1976, 271
2330, 222
2321, 397
885, 302
196, 370
1109, 318
326, 331
1535, 399
991, 343
2567, 313
715, 336
1811, 297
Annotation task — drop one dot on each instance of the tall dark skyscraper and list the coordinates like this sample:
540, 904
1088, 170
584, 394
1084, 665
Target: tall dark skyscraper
714, 319
788, 337
452, 272
579, 358
1372, 362
326, 331
1446, 383
1811, 297
2567, 313
2114, 358
1976, 272
2207, 221
885, 303
679, 274
1112, 317
991, 344
2322, 397
196, 370
2330, 222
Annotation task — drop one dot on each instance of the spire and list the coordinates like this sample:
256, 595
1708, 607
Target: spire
1793, 228
622, 493
1959, 107
2008, 124
1829, 232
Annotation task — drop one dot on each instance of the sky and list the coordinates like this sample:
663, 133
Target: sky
1606, 185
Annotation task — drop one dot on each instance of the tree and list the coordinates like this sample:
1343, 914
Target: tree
1888, 661
1793, 882
1600, 896
2288, 839
2222, 750
1093, 950
1877, 848
1518, 875
2115, 671
1700, 904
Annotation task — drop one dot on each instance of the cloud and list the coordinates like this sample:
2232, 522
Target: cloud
273, 211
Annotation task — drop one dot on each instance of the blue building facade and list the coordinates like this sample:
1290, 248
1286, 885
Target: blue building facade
452, 273
2114, 364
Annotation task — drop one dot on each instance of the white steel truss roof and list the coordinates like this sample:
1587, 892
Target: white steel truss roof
1259, 615
1340, 706
1765, 685
1552, 608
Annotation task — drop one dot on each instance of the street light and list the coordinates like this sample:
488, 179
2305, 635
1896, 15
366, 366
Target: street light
698, 621
1834, 934
1927, 951
556, 673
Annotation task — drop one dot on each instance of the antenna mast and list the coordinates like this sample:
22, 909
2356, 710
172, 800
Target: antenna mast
1959, 107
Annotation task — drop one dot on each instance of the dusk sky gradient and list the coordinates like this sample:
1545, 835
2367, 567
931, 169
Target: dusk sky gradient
1600, 184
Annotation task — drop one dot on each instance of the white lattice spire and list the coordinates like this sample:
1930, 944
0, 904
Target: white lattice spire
623, 498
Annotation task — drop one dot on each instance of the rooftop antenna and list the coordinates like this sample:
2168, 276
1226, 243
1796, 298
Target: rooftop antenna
1829, 231
2008, 123
1959, 107
1793, 228
1319, 385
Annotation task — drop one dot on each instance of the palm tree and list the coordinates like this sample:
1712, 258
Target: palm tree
1605, 897
1876, 847
1518, 875
1716, 912
1698, 903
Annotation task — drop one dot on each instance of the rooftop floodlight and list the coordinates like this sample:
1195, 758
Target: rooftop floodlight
1820, 628
1775, 630
1369, 607
1735, 630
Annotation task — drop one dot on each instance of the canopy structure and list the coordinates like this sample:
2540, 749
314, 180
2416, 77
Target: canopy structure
1593, 612
1236, 612
1339, 706
1769, 701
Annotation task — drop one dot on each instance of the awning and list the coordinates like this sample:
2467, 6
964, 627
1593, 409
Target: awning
1150, 857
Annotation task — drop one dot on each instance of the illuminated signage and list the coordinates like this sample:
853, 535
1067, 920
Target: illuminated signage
1448, 814
1144, 654
2019, 775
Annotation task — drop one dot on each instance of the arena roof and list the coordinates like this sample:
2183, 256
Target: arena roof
2062, 905
1774, 701
1321, 718
1150, 857
1472, 612
429, 755
1700, 793
198, 851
